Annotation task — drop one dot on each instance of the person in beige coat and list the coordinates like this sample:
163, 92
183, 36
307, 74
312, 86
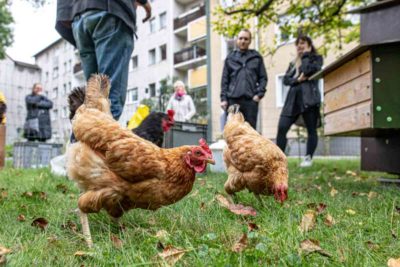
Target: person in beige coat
181, 103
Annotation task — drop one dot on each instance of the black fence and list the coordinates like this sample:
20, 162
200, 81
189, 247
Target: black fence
189, 54
185, 133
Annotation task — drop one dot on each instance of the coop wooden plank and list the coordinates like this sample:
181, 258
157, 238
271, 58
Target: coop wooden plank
349, 71
349, 119
349, 94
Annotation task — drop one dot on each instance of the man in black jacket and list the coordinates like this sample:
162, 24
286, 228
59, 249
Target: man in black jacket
103, 31
244, 79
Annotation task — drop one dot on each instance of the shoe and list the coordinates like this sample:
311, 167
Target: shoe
307, 162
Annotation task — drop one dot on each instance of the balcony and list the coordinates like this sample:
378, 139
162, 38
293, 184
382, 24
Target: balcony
194, 14
77, 68
189, 58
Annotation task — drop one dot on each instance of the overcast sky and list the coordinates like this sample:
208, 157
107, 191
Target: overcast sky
33, 29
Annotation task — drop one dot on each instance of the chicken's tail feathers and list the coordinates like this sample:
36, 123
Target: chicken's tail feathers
97, 91
234, 108
75, 100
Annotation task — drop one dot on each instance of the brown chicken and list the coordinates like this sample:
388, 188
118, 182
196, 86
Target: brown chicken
253, 161
117, 171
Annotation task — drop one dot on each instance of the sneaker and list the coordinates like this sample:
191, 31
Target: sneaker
307, 162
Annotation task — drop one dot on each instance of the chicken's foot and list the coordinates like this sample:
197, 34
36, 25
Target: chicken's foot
85, 228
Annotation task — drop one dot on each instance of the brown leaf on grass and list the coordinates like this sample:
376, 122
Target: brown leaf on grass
398, 209
371, 245
162, 234
52, 239
4, 193
3, 260
27, 194
171, 255
42, 195
62, 188
238, 209
393, 262
351, 173
350, 211
310, 245
342, 257
71, 226
202, 206
318, 187
394, 235
252, 226
372, 195
241, 244
333, 192
82, 254
40, 223
319, 208
329, 221
4, 250
117, 243
195, 193
21, 218
338, 178
308, 221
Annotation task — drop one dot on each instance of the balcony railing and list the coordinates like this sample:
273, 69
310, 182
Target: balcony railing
183, 21
77, 67
189, 54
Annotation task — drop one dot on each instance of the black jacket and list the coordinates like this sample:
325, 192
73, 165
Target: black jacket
38, 106
294, 103
68, 9
244, 75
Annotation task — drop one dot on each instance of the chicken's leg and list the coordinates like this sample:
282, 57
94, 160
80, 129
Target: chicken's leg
85, 228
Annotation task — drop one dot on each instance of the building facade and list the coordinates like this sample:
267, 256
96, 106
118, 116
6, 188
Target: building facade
16, 81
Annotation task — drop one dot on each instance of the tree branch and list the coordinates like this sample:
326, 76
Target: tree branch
256, 12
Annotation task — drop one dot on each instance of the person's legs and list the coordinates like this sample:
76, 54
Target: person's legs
114, 45
284, 125
249, 109
311, 120
81, 29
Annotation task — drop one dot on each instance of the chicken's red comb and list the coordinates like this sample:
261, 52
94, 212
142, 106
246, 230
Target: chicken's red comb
203, 144
171, 113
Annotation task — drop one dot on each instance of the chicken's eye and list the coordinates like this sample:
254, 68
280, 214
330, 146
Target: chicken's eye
197, 153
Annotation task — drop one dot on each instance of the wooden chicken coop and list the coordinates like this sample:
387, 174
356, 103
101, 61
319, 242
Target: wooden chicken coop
362, 89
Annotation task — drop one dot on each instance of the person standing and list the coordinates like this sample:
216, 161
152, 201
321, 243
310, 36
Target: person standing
37, 125
181, 103
103, 32
244, 79
3, 110
302, 104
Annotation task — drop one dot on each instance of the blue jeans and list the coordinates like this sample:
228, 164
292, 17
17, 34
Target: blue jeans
105, 45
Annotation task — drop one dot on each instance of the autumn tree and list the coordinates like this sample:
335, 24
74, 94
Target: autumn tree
326, 19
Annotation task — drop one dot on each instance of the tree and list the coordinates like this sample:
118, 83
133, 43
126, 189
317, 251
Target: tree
327, 19
6, 21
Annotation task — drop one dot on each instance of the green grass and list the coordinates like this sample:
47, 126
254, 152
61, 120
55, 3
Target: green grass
209, 233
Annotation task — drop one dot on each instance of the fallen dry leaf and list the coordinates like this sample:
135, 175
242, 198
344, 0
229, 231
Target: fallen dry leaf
202, 206
52, 239
338, 178
329, 221
162, 234
329, 184
21, 218
241, 244
3, 260
27, 194
62, 187
333, 192
71, 226
393, 262
4, 250
371, 245
310, 245
319, 208
195, 193
252, 226
171, 255
4, 194
116, 241
372, 195
318, 187
40, 223
351, 173
238, 209
350, 211
82, 254
42, 195
308, 221
342, 257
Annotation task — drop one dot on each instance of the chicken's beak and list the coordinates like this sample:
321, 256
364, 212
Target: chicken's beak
211, 161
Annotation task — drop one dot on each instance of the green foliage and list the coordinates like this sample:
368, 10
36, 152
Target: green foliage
202, 227
6, 36
326, 19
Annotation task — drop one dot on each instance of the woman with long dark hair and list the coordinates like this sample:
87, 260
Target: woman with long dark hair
303, 101
37, 125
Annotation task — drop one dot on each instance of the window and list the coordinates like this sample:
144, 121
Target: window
163, 20
20, 109
55, 114
134, 62
152, 56
152, 88
55, 92
70, 65
65, 67
20, 88
69, 87
163, 52
64, 89
132, 95
47, 76
55, 72
64, 112
282, 90
153, 25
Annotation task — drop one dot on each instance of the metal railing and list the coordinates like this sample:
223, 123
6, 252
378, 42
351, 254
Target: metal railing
189, 54
183, 21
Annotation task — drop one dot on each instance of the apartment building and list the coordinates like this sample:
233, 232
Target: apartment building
60, 72
16, 80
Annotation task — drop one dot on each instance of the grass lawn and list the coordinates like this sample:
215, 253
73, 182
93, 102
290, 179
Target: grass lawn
366, 230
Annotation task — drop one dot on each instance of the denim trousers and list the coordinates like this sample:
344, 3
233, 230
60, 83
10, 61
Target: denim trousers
105, 45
